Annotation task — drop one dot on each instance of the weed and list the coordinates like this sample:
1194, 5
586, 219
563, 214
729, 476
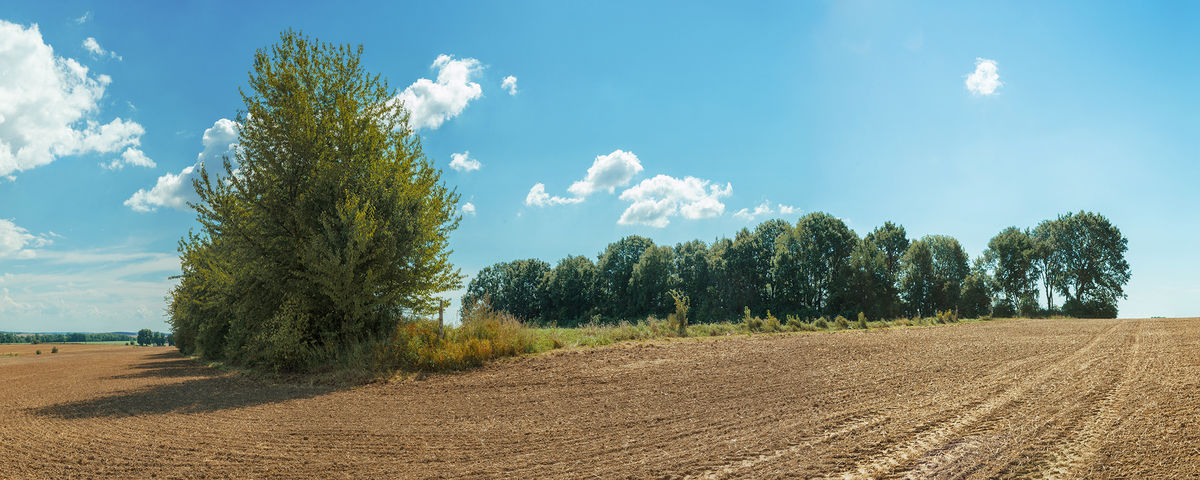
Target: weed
54, 350
862, 321
821, 323
841, 322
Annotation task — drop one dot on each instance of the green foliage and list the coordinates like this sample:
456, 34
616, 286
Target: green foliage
569, 291
680, 317
932, 273
1011, 256
615, 270
821, 323
841, 322
54, 350
862, 321
771, 324
38, 352
752, 323
485, 334
517, 288
1091, 254
651, 280
34, 338
812, 263
331, 226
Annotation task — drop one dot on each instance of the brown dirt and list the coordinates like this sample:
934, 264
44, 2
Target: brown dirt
1004, 399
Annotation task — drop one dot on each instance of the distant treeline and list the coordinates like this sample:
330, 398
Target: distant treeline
63, 337
820, 267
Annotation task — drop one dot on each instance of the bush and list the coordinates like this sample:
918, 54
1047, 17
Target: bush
862, 321
1089, 309
679, 319
484, 335
39, 352
771, 324
753, 324
54, 350
841, 322
821, 323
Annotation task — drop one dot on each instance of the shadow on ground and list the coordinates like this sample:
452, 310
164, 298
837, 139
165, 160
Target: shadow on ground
206, 390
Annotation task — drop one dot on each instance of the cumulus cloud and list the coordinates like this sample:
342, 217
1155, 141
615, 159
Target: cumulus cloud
463, 162
433, 102
16, 242
132, 156
985, 79
537, 197
655, 200
788, 210
92, 46
509, 83
48, 104
175, 190
468, 209
607, 173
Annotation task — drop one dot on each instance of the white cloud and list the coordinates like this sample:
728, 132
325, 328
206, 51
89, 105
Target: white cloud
432, 103
468, 209
15, 242
463, 162
132, 156
91, 45
83, 19
655, 200
98, 290
48, 103
760, 210
986, 79
607, 173
509, 83
764, 208
537, 197
175, 190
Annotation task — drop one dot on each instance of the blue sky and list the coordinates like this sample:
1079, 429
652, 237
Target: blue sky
860, 109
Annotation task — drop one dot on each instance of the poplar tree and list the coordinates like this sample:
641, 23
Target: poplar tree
327, 226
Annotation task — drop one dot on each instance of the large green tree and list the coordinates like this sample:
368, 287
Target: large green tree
812, 264
614, 270
570, 291
327, 226
1091, 252
652, 277
1012, 256
932, 273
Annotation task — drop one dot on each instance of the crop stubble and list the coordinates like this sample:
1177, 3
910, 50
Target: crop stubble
1004, 399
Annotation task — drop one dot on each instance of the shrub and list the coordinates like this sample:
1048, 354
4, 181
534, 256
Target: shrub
54, 350
753, 324
821, 323
862, 321
771, 324
841, 322
679, 319
39, 352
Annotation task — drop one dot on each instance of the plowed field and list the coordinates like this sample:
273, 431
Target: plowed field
1003, 399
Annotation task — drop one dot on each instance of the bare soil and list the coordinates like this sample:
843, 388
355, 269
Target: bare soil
1003, 399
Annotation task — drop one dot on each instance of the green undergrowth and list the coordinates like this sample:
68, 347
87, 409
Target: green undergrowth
418, 347
486, 334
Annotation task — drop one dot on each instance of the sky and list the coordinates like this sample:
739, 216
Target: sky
568, 125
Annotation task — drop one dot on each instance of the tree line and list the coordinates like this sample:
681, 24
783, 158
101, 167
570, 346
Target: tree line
146, 336
820, 267
6, 337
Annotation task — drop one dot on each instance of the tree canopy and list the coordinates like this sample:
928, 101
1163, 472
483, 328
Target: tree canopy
327, 226
820, 267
